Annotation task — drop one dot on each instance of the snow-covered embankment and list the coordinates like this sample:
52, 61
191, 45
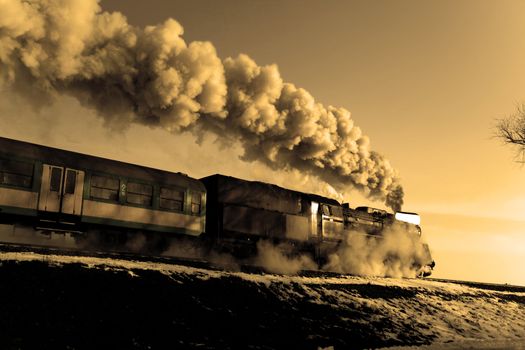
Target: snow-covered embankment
80, 302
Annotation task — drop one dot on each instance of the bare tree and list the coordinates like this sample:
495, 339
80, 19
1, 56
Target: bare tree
511, 130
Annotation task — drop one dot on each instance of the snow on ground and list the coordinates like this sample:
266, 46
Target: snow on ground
337, 311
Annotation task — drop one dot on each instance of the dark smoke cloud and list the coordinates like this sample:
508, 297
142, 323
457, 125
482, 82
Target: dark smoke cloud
152, 76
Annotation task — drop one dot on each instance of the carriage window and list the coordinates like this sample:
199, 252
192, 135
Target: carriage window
337, 211
171, 199
56, 178
71, 182
326, 210
103, 187
16, 173
139, 194
196, 203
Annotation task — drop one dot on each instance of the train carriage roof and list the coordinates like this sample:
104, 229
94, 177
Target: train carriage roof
228, 189
10, 148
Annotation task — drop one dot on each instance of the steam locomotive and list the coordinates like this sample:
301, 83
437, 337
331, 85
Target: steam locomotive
53, 197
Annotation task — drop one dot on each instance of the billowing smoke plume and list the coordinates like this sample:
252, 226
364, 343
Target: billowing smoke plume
393, 254
153, 77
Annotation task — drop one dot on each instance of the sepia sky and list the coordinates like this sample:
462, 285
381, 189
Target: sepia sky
424, 80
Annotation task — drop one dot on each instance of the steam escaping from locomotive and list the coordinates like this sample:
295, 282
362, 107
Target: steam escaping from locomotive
277, 258
393, 254
153, 77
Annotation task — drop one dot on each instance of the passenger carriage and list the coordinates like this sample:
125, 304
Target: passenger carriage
54, 190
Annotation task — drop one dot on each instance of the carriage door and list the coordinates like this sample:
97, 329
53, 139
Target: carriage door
72, 192
61, 190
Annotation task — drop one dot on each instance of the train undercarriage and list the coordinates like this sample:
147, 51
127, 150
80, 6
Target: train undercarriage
69, 238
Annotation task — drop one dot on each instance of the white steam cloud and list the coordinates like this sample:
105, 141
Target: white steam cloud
393, 254
152, 76
281, 259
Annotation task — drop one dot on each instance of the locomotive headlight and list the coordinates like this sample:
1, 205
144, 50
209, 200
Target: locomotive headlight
411, 218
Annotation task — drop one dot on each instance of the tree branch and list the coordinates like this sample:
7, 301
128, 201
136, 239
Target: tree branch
511, 130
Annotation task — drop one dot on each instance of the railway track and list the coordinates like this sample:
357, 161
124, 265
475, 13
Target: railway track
171, 260
20, 248
204, 264
483, 285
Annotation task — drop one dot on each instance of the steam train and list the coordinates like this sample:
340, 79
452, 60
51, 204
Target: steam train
53, 197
